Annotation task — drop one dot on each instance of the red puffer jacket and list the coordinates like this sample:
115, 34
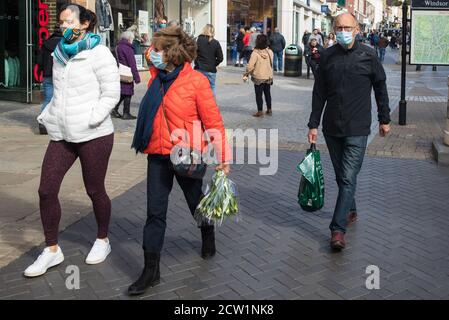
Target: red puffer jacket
190, 99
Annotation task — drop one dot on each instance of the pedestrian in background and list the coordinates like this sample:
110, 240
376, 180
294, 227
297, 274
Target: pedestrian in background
209, 55
317, 36
252, 40
178, 98
277, 45
86, 89
260, 68
240, 47
323, 39
382, 44
45, 63
247, 50
330, 41
125, 56
305, 38
376, 42
313, 54
348, 72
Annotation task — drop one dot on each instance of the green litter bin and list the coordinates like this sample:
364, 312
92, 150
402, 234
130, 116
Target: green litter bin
293, 61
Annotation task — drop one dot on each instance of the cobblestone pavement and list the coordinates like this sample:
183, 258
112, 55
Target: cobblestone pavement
276, 251
279, 246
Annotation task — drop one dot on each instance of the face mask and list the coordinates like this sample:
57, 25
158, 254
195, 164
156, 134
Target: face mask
163, 26
344, 38
156, 59
71, 34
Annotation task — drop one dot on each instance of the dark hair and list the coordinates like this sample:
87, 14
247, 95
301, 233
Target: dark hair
85, 15
177, 45
261, 42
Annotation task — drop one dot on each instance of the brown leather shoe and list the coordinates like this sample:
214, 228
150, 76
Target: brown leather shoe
352, 217
338, 240
258, 114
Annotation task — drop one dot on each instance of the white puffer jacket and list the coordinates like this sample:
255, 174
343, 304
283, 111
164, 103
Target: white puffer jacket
85, 92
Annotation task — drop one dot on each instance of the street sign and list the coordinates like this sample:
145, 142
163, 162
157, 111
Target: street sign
324, 8
430, 4
341, 3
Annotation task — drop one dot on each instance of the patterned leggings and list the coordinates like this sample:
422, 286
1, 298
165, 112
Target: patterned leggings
59, 158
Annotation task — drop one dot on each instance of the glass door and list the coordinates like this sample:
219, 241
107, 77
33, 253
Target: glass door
16, 50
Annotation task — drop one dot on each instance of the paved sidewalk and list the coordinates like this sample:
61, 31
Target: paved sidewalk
276, 251
265, 230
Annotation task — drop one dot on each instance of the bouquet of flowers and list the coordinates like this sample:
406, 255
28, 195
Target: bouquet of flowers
220, 202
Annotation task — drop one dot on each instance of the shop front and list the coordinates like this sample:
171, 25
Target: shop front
26, 24
261, 14
192, 14
17, 37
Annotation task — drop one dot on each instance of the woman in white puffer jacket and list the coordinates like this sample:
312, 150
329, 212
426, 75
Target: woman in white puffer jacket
86, 89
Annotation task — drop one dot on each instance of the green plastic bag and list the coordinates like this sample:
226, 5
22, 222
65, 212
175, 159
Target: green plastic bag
311, 187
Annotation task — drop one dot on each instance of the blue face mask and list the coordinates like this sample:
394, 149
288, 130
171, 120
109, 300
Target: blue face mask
162, 26
157, 60
344, 38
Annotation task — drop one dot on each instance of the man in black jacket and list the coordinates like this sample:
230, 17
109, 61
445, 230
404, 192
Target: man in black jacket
346, 74
45, 63
277, 44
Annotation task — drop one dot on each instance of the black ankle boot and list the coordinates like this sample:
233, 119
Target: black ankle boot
115, 114
150, 276
208, 246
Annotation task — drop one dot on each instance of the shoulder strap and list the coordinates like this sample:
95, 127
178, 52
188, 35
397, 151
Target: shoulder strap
269, 58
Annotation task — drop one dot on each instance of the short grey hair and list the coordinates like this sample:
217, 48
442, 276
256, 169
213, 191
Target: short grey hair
128, 35
173, 23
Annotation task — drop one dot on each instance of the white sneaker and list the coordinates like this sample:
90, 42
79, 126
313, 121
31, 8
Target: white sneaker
99, 252
46, 260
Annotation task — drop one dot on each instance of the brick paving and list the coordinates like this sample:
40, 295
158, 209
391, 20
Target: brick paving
276, 251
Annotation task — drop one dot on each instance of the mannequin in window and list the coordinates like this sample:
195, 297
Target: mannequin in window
105, 21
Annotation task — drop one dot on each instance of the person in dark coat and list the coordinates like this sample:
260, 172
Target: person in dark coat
125, 56
45, 63
277, 45
240, 47
209, 55
313, 53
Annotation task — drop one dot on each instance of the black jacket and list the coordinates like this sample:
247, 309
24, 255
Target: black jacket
239, 41
209, 56
45, 59
277, 42
344, 82
310, 60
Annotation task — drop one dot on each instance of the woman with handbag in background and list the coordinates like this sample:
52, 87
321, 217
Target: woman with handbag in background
260, 67
178, 102
128, 75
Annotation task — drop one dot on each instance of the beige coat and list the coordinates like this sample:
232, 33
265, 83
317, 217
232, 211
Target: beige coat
260, 66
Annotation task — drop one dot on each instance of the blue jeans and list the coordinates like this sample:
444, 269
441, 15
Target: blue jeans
47, 86
212, 77
278, 60
347, 155
382, 54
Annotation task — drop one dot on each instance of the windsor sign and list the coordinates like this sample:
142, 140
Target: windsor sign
430, 4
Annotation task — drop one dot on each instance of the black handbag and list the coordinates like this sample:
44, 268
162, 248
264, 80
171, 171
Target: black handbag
186, 162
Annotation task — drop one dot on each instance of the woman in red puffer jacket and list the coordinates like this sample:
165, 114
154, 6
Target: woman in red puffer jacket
176, 110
